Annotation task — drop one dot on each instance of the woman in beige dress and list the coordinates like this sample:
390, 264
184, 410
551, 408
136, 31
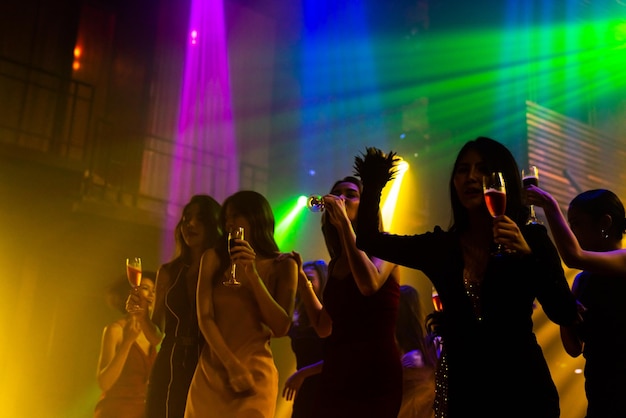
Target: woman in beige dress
236, 375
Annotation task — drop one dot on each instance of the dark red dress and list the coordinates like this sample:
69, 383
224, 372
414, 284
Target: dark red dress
362, 373
127, 396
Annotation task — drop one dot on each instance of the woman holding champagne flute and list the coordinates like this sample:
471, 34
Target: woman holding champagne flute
126, 355
238, 315
490, 356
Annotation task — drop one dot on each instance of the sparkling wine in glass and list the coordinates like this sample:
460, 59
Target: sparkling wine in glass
315, 203
495, 199
233, 234
436, 300
133, 273
530, 176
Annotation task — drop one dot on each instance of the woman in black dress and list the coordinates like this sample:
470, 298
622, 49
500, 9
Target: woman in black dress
174, 317
491, 365
303, 385
594, 245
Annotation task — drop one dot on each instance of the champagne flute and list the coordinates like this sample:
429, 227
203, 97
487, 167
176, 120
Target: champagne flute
233, 234
530, 176
437, 341
436, 300
315, 203
133, 273
494, 189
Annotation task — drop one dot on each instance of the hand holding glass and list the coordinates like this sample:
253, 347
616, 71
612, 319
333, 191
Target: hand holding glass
495, 199
530, 176
233, 234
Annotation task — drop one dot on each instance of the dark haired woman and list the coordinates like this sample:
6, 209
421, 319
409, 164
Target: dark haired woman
126, 355
174, 316
236, 375
491, 365
361, 374
593, 243
303, 385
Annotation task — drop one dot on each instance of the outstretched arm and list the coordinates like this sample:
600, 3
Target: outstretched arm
611, 262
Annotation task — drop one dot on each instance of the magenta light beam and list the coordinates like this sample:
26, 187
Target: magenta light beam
205, 154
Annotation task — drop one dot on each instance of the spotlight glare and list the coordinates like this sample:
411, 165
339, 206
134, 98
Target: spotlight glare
285, 221
391, 199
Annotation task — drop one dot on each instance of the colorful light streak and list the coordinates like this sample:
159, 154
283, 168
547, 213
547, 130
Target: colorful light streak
286, 228
205, 156
388, 208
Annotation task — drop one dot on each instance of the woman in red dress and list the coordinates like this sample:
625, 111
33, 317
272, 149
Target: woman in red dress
361, 373
126, 358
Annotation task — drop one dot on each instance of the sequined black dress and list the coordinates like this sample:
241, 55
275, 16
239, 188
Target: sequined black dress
494, 366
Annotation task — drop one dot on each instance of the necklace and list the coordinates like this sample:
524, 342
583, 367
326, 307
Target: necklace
475, 258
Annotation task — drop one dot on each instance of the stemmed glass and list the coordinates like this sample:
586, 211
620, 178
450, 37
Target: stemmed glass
133, 273
494, 189
233, 234
530, 176
315, 203
436, 300
437, 340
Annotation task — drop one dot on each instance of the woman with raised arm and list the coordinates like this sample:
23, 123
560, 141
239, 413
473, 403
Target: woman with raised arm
361, 373
491, 364
126, 355
592, 242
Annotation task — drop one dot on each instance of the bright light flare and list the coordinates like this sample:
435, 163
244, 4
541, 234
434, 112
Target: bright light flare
391, 199
284, 226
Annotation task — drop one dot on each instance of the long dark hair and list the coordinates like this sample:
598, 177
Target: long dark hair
208, 214
599, 202
496, 158
257, 210
410, 329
